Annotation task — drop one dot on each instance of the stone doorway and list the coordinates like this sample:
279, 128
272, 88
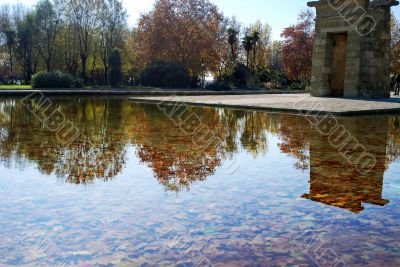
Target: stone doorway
338, 64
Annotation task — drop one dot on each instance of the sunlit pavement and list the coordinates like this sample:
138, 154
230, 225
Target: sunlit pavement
296, 103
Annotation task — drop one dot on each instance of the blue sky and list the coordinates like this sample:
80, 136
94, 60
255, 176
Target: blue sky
278, 13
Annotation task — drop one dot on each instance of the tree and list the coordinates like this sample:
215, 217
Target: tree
188, 32
115, 71
261, 34
298, 46
233, 42
83, 14
74, 36
132, 63
26, 52
9, 35
255, 37
395, 46
248, 46
47, 26
275, 63
112, 24
69, 50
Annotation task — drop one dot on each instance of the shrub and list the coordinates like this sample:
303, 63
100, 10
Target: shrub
55, 79
165, 74
115, 71
219, 86
273, 85
298, 85
241, 75
78, 83
264, 76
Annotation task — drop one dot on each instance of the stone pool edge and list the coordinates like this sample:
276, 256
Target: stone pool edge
295, 111
157, 95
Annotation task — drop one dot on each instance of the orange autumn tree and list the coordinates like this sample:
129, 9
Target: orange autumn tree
395, 46
298, 46
188, 32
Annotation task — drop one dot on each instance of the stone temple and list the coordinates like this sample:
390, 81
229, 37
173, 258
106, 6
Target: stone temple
351, 56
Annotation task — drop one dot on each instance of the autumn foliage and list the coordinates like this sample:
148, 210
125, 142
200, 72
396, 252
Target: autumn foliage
188, 32
298, 46
395, 46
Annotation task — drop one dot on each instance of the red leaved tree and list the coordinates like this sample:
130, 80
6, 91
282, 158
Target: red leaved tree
298, 46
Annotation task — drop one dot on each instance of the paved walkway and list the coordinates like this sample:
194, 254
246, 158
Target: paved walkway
294, 103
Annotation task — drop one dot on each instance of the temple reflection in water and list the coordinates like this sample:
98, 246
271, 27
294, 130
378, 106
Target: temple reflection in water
108, 127
335, 180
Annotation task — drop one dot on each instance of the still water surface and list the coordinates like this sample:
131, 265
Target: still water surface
138, 186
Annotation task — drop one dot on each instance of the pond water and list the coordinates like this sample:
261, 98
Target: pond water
113, 182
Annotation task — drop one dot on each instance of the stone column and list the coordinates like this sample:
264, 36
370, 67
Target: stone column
322, 57
353, 64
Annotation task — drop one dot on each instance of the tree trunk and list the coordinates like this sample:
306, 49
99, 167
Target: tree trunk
28, 74
48, 65
105, 74
11, 61
233, 54
254, 57
84, 61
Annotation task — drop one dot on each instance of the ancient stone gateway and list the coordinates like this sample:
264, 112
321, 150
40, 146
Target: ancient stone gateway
351, 56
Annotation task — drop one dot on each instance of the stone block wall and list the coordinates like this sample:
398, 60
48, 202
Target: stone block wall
367, 68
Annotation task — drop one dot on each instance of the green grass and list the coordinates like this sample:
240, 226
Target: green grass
22, 87
122, 87
16, 87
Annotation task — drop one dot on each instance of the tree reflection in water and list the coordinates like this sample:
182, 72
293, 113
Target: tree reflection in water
99, 153
109, 126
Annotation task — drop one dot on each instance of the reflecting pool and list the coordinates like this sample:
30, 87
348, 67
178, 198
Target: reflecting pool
114, 182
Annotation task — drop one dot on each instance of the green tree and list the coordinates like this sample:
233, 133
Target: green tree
112, 25
255, 39
248, 46
85, 20
275, 62
115, 72
261, 33
47, 26
26, 51
233, 41
8, 34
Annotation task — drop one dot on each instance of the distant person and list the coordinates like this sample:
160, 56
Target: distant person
397, 85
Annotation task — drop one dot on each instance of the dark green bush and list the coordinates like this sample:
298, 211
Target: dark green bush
241, 74
78, 82
55, 79
219, 86
165, 74
298, 85
115, 72
264, 76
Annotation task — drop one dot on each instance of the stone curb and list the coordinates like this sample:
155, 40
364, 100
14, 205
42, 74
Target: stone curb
296, 111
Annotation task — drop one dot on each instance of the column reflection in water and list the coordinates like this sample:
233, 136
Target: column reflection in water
335, 180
